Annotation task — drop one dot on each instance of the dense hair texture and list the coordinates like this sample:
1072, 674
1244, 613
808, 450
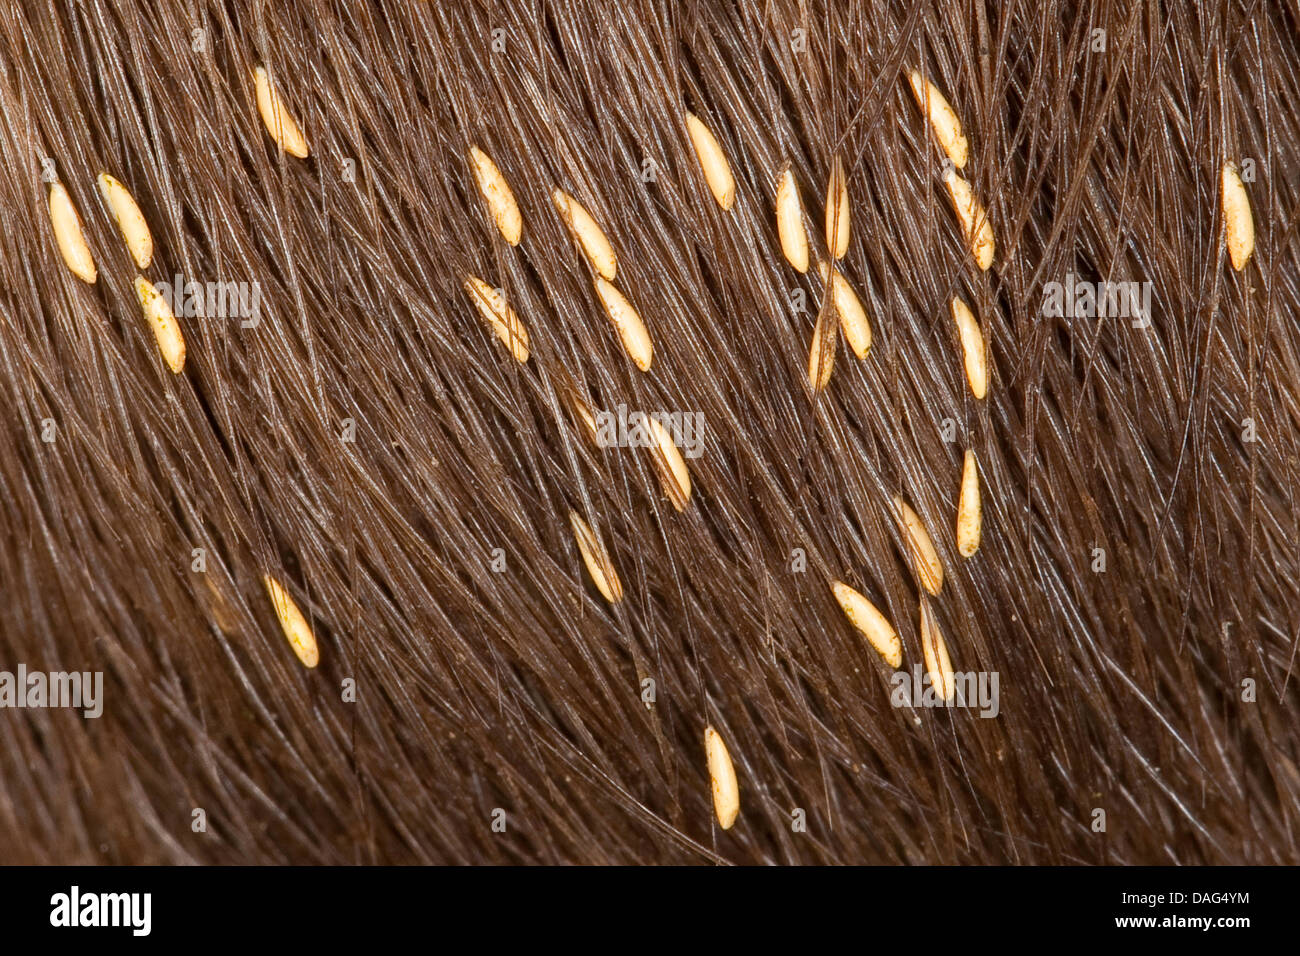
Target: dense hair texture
370, 442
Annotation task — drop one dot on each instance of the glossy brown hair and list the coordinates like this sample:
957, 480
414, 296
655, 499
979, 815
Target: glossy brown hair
432, 551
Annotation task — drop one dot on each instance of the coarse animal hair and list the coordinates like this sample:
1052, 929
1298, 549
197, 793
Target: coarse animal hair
372, 445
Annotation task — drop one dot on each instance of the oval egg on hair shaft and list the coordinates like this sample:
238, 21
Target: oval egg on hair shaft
597, 560
722, 779
296, 630
935, 651
588, 234
847, 305
1239, 224
789, 221
496, 311
942, 118
162, 320
673, 473
497, 196
68, 234
130, 220
875, 627
925, 559
713, 161
974, 352
279, 122
821, 354
583, 413
627, 321
972, 216
969, 510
